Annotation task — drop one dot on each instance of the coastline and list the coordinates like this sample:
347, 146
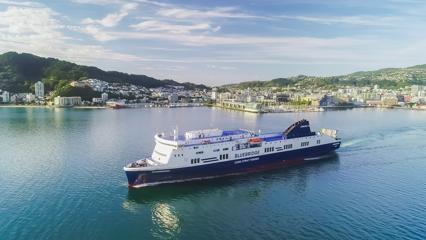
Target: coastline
48, 106
23, 106
295, 110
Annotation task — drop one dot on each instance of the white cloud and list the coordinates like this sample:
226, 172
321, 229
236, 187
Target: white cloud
155, 3
352, 20
113, 19
37, 31
30, 22
21, 3
208, 39
98, 2
213, 66
159, 26
186, 13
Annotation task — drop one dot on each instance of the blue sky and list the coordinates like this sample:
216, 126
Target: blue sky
218, 42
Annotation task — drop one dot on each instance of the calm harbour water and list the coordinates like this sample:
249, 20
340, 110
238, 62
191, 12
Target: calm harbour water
61, 178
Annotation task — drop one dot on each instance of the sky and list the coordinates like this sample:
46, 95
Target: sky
220, 42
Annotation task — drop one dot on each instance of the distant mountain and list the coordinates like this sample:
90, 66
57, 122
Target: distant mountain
19, 72
386, 78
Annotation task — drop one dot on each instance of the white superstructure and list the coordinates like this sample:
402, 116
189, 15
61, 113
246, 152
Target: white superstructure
209, 146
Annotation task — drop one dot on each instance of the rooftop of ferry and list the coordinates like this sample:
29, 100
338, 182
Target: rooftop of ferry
298, 129
239, 133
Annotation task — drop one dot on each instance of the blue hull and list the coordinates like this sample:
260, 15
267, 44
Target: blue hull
234, 167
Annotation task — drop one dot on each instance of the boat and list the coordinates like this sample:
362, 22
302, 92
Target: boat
117, 104
211, 153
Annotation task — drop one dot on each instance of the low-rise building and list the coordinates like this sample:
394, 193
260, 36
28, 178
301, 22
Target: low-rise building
67, 101
97, 100
29, 98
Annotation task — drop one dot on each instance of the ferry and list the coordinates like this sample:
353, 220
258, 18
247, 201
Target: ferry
211, 153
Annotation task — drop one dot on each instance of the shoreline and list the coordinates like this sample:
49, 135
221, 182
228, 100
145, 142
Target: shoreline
218, 107
48, 106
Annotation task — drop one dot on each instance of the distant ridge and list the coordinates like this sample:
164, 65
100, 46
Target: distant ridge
386, 78
19, 71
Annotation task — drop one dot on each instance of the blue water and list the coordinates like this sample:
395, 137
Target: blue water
61, 178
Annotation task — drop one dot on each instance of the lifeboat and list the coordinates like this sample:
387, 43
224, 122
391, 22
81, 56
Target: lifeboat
256, 140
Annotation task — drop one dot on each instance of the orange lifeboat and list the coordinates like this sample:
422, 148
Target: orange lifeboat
256, 140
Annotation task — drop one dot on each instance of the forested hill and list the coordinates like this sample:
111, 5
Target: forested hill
385, 78
19, 72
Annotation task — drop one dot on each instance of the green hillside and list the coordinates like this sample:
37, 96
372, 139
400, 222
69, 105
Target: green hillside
19, 72
385, 78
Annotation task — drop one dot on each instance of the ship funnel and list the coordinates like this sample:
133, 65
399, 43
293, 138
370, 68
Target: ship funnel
299, 129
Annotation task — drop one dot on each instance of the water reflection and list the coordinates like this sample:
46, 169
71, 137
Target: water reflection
174, 192
329, 163
165, 221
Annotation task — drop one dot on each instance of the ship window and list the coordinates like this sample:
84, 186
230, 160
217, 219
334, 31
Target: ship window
201, 152
304, 144
318, 141
225, 149
288, 146
195, 160
195, 147
216, 150
269, 149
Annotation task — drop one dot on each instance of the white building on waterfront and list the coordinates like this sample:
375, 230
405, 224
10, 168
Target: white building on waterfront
214, 94
6, 97
39, 89
67, 101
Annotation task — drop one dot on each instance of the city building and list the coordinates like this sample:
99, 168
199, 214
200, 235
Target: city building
97, 100
328, 101
214, 94
39, 89
29, 98
67, 101
104, 97
242, 106
14, 98
173, 98
6, 97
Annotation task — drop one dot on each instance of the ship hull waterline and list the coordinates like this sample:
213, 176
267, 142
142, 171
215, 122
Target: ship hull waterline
141, 178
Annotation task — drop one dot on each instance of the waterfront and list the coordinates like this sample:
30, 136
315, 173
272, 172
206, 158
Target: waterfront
61, 178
